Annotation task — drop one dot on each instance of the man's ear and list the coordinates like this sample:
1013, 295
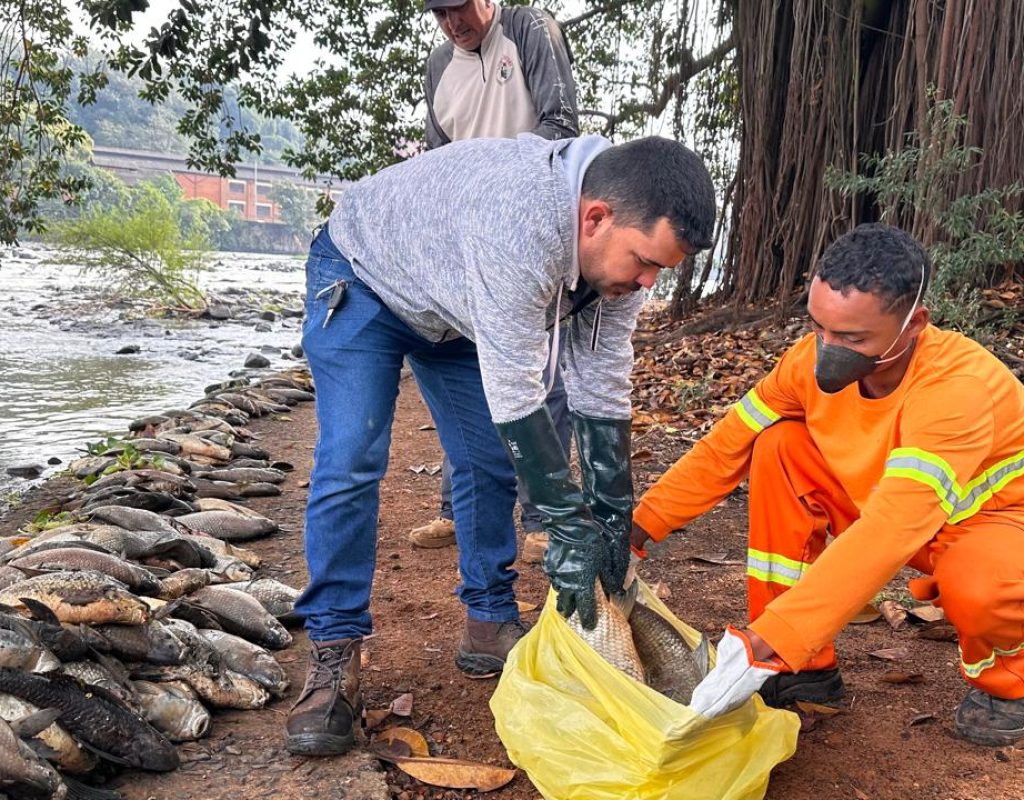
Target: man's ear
593, 214
919, 321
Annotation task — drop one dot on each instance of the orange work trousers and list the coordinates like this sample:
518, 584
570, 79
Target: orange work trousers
974, 571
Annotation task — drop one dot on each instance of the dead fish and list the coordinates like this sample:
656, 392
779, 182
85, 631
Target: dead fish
96, 719
195, 445
235, 491
228, 525
671, 666
113, 679
9, 575
174, 709
151, 642
152, 480
248, 659
136, 578
238, 401
21, 648
132, 519
611, 637
242, 615
82, 468
199, 650
148, 445
85, 596
67, 644
132, 497
223, 550
219, 688
246, 450
219, 504
245, 475
278, 598
289, 395
23, 774
58, 746
182, 582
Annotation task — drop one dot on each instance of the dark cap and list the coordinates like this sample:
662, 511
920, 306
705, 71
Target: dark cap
432, 5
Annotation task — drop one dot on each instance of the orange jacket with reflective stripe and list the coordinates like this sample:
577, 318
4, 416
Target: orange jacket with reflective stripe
946, 446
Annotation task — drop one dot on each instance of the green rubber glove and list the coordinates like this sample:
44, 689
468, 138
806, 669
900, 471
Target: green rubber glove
577, 551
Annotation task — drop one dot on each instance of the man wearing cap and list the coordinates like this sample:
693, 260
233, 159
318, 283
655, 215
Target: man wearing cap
502, 72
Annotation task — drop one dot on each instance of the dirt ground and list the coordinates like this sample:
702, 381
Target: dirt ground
889, 741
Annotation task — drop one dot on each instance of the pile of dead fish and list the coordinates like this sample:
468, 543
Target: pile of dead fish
134, 611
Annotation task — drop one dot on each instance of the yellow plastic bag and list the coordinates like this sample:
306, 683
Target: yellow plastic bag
583, 730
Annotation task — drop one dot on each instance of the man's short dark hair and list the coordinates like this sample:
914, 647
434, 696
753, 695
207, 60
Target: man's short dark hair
879, 259
651, 178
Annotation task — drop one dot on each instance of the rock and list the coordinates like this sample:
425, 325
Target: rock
269, 316
53, 461
292, 312
218, 312
128, 349
256, 361
269, 349
188, 355
264, 327
297, 351
25, 470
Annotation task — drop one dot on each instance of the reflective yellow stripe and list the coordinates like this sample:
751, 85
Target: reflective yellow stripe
773, 568
935, 472
974, 670
755, 414
980, 490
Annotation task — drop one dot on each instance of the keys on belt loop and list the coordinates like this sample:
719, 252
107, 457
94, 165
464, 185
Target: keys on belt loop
337, 290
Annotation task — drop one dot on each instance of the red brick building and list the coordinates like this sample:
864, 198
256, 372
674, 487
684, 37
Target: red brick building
248, 193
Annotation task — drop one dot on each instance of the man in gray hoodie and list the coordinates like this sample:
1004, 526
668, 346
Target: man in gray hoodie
460, 260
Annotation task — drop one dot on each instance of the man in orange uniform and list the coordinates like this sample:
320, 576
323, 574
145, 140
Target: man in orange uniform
902, 441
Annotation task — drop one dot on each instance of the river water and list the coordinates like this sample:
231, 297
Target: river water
62, 383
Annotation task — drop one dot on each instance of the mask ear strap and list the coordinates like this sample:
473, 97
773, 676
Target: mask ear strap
906, 321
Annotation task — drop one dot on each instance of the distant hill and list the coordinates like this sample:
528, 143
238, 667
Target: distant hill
120, 118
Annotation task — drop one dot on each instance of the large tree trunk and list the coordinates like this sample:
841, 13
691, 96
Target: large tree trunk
823, 82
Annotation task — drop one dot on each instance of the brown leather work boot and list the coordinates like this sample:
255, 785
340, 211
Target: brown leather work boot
323, 720
485, 645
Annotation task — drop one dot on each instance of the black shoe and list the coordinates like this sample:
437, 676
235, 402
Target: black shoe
323, 720
485, 645
984, 719
823, 686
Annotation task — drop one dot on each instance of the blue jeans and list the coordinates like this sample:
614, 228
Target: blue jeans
557, 403
356, 363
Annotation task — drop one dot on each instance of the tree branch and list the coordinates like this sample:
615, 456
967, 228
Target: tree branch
670, 85
612, 6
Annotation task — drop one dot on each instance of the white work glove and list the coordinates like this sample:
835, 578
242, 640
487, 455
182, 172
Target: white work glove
735, 677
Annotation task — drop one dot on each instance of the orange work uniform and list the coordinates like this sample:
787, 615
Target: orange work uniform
932, 475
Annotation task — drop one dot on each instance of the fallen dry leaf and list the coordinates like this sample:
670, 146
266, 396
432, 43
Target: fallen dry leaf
817, 708
895, 676
867, 614
415, 745
373, 717
427, 427
525, 607
641, 455
894, 613
453, 773
483, 677
661, 590
859, 794
364, 659
890, 653
938, 632
401, 706
721, 559
435, 615
919, 718
926, 613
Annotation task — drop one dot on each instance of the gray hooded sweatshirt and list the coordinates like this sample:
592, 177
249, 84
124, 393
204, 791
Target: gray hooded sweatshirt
479, 239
